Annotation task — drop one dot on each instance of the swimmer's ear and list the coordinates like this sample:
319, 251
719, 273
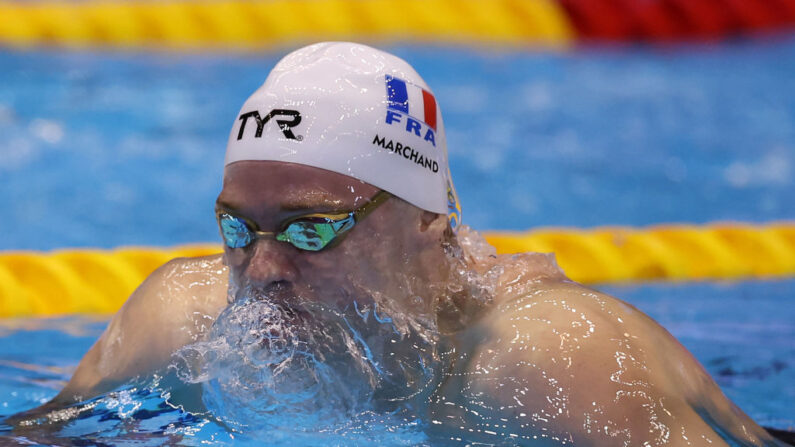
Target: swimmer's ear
430, 221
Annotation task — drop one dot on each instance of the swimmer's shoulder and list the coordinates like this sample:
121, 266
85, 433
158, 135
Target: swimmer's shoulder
570, 353
177, 291
535, 300
193, 283
173, 306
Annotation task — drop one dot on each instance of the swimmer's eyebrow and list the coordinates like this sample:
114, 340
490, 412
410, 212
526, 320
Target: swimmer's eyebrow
311, 200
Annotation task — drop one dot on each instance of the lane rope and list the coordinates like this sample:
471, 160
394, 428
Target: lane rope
98, 281
200, 25
244, 24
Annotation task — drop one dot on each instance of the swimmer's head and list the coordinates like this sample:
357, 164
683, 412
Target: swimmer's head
354, 110
334, 127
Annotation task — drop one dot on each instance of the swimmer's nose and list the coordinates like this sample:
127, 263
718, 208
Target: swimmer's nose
270, 263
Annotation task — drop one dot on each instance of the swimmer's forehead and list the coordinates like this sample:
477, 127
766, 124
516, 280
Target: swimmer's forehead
290, 187
291, 200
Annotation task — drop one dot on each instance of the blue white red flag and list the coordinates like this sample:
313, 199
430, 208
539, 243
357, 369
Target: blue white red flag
411, 100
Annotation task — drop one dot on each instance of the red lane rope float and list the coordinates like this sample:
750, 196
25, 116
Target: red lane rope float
665, 20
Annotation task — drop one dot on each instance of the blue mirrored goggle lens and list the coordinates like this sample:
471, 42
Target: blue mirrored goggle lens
314, 234
234, 230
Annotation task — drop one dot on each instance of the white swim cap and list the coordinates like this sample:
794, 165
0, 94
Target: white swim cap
355, 110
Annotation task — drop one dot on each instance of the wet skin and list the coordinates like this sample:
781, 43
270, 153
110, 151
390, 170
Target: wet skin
545, 362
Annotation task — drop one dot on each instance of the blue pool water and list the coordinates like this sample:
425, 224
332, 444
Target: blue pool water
107, 149
103, 149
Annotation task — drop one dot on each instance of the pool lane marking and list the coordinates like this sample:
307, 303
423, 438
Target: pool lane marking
99, 281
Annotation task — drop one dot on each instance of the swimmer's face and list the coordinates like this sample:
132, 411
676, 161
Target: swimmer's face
395, 251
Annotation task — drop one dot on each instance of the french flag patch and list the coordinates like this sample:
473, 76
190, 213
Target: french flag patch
412, 100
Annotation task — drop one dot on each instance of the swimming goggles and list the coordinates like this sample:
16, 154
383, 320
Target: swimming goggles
311, 232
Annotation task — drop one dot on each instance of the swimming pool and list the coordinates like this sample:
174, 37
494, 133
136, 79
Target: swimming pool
99, 148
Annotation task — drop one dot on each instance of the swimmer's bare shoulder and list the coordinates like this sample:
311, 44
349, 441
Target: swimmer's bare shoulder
558, 361
174, 306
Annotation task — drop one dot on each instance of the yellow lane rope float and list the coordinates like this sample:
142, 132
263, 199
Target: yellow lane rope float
246, 24
98, 281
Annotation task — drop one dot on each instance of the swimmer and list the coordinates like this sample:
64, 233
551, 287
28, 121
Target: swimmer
337, 194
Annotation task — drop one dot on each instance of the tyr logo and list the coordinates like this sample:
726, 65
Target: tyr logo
286, 125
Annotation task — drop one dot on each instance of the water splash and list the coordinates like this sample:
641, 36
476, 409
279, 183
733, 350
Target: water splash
275, 360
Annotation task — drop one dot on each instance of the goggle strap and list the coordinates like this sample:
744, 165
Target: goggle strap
378, 199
